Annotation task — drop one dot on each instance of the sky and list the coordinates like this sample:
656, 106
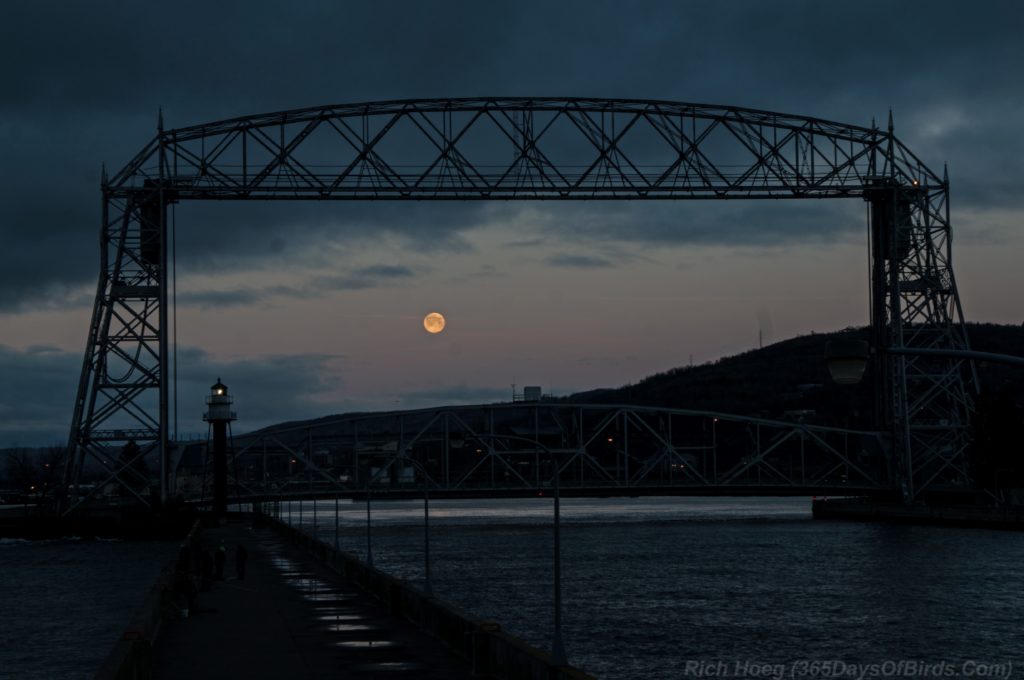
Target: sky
308, 310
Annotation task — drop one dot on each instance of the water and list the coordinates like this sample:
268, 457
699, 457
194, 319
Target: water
671, 588
65, 603
653, 588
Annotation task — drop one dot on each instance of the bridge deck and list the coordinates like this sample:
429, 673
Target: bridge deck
291, 618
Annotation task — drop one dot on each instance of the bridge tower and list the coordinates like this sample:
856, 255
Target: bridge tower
923, 402
219, 415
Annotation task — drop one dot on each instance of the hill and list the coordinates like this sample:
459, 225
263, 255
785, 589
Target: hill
788, 379
791, 376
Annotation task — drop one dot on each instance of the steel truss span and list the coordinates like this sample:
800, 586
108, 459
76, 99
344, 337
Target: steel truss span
515, 450
526, 149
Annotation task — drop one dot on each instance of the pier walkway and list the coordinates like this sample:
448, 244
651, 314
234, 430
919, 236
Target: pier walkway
291, 617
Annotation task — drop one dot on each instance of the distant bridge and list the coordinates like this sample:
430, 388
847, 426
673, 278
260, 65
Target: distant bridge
514, 449
540, 148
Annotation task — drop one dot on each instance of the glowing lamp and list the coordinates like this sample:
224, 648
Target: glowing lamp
847, 358
219, 404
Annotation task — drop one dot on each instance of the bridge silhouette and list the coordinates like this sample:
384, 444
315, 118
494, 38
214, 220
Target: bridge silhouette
546, 149
518, 449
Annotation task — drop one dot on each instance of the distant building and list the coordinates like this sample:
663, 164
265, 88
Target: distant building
530, 393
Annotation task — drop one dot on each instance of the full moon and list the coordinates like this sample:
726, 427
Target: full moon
433, 322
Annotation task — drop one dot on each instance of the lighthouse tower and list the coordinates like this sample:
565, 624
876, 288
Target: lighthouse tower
219, 415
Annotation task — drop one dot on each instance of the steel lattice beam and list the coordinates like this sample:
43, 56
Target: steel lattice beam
508, 448
531, 149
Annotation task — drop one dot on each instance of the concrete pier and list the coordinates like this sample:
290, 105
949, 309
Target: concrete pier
291, 617
304, 610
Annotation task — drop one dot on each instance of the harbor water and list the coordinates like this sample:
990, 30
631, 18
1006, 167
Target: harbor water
66, 602
652, 588
702, 587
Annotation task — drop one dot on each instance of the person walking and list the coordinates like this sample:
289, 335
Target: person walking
241, 555
207, 570
219, 558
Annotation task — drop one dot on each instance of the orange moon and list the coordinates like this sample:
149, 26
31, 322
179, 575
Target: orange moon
433, 322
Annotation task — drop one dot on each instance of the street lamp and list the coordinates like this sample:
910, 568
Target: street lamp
369, 527
847, 358
427, 587
714, 450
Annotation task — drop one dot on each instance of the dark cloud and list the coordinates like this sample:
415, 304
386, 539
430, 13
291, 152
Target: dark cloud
83, 83
266, 390
386, 271
374, 276
578, 261
703, 222
233, 235
452, 395
526, 243
361, 279
218, 299
37, 393
38, 390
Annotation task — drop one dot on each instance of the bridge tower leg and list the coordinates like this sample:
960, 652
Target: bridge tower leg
923, 402
123, 391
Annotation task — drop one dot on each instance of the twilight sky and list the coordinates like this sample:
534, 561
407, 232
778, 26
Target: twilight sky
306, 310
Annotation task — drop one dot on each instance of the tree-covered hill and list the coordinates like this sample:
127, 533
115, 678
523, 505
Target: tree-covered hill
791, 377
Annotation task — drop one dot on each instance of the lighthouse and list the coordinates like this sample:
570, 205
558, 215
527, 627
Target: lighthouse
219, 415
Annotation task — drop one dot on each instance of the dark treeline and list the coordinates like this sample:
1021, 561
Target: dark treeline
33, 471
790, 380
792, 376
